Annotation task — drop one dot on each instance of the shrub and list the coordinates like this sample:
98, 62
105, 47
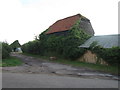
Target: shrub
71, 49
32, 47
110, 55
5, 50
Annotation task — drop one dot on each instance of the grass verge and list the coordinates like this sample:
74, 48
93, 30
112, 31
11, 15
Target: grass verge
11, 61
98, 67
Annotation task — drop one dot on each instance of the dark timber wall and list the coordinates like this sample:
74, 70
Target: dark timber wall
86, 25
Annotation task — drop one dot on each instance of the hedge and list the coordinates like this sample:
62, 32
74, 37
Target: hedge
6, 49
110, 55
32, 47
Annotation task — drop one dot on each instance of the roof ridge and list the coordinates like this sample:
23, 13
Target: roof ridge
66, 18
69, 17
64, 24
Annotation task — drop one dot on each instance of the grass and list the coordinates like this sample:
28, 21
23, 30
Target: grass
98, 67
103, 68
11, 61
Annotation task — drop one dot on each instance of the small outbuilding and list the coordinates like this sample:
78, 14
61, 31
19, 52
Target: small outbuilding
16, 47
19, 50
105, 41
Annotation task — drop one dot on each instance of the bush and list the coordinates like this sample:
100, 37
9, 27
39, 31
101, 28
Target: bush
5, 50
71, 50
110, 55
32, 47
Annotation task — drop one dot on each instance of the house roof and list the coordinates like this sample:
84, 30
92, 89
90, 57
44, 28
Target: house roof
63, 24
106, 41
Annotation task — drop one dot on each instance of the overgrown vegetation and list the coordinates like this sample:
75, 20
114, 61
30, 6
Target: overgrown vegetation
7, 60
6, 49
110, 55
32, 47
65, 46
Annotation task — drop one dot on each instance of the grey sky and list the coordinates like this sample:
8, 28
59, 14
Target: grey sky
23, 19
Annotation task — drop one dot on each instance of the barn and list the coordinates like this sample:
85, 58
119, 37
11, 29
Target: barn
62, 26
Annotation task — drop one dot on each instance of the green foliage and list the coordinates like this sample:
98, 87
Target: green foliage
15, 45
11, 61
110, 55
32, 47
5, 50
71, 50
65, 46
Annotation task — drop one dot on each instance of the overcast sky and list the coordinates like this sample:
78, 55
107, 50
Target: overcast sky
24, 19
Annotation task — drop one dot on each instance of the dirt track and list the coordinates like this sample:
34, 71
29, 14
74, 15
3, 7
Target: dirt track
37, 66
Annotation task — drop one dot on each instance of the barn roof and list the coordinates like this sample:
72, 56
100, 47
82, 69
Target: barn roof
106, 41
63, 24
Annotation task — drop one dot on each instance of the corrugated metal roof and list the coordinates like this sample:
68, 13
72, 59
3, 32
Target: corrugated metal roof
106, 41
